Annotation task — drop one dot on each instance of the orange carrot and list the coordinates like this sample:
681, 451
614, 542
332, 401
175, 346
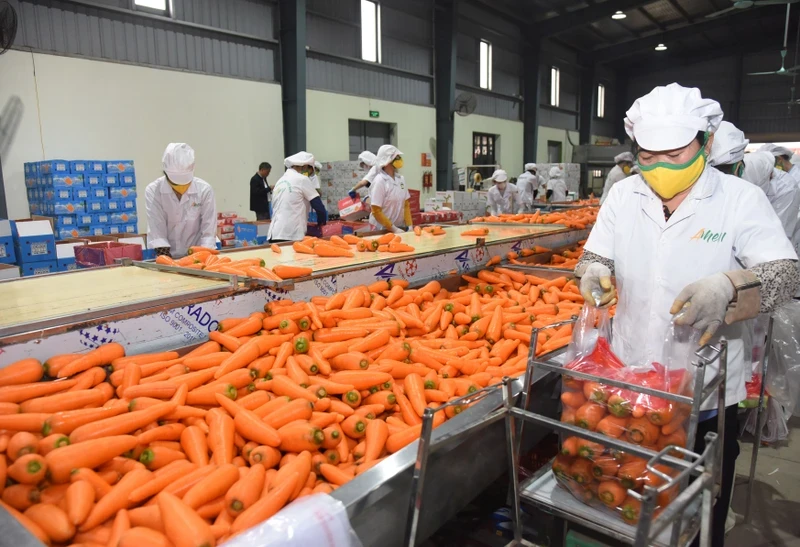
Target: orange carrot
116, 499
99, 357
288, 272
212, 486
246, 491
21, 372
182, 525
90, 453
267, 506
80, 499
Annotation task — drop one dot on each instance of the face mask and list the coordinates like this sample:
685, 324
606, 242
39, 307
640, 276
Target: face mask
626, 169
779, 166
306, 171
738, 169
670, 179
398, 163
180, 188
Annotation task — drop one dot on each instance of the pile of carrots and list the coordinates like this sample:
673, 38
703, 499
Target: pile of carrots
578, 219
189, 450
563, 260
345, 245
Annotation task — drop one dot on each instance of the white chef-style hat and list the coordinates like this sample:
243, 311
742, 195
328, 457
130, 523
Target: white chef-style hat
386, 154
555, 172
301, 158
317, 165
758, 168
728, 146
669, 117
178, 162
367, 157
625, 156
499, 176
530, 166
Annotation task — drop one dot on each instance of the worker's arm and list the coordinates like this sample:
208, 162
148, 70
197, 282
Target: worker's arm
208, 219
407, 214
384, 221
322, 213
156, 222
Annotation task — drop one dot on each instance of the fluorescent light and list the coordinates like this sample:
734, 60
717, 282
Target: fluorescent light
619, 15
555, 86
601, 101
369, 31
152, 4
485, 65
661, 47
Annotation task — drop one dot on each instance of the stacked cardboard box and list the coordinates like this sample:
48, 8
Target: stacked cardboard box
572, 175
84, 197
336, 179
34, 245
226, 228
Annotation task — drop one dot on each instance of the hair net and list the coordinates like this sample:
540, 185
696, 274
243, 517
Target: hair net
530, 166
499, 176
367, 157
317, 165
301, 158
555, 172
758, 168
767, 148
625, 156
178, 162
781, 151
728, 146
386, 154
670, 117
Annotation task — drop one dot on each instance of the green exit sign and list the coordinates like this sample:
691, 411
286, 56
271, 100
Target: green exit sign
374, 114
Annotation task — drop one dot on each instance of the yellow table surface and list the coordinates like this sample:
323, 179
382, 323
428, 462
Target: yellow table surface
34, 299
426, 243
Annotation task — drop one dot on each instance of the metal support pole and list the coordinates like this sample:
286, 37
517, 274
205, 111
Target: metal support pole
445, 19
513, 458
587, 96
530, 93
293, 74
759, 423
621, 105
417, 478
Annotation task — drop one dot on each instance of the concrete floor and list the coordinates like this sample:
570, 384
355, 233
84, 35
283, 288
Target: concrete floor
776, 494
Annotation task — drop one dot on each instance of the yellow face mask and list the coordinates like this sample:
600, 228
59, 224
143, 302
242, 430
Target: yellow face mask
180, 188
626, 169
779, 167
398, 163
670, 179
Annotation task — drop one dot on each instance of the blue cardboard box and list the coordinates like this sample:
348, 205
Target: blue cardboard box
122, 229
96, 166
39, 268
63, 194
96, 205
70, 233
35, 209
60, 167
81, 193
98, 230
247, 234
127, 204
64, 180
66, 264
121, 193
84, 219
65, 255
66, 221
69, 207
123, 217
119, 166
93, 179
127, 179
113, 205
100, 218
129, 228
78, 167
110, 180
98, 192
33, 240
7, 254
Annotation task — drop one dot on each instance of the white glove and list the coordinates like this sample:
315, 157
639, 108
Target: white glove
396, 230
703, 304
596, 286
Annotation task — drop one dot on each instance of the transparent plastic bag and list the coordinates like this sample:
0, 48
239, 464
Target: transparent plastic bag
318, 520
783, 373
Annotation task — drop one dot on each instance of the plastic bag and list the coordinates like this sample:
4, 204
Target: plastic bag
601, 476
318, 520
783, 373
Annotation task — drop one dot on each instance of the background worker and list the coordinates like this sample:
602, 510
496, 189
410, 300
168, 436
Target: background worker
528, 186
260, 192
556, 186
181, 211
389, 197
781, 190
682, 237
315, 175
783, 160
368, 161
502, 195
293, 197
621, 170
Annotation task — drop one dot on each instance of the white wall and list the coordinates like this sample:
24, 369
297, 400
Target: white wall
552, 134
509, 145
97, 110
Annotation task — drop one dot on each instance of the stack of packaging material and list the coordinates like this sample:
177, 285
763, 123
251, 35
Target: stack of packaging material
84, 197
34, 245
226, 228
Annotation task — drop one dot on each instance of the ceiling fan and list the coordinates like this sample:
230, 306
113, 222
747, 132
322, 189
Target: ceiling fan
783, 71
746, 4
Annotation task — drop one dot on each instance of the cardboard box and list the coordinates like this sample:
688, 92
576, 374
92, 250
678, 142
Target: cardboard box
39, 268
93, 179
82, 193
121, 193
78, 167
119, 166
66, 221
98, 230
248, 233
127, 179
110, 180
65, 255
352, 209
105, 254
101, 218
97, 192
7, 254
9, 271
96, 166
121, 229
71, 233
69, 207
84, 219
96, 205
64, 194
34, 240
123, 218
64, 180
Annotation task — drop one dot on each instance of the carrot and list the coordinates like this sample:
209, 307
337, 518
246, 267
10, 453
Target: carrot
282, 385
120, 425
265, 455
612, 426
570, 446
182, 525
267, 506
588, 416
28, 469
288, 272
228, 342
332, 251
27, 522
611, 493
99, 485
299, 436
139, 536
632, 473
21, 372
631, 507
605, 466
80, 499
298, 409
212, 486
642, 431
249, 425
163, 477
246, 491
53, 521
581, 471
23, 392
21, 496
120, 525
360, 379
414, 388
99, 357
90, 453
23, 422
116, 499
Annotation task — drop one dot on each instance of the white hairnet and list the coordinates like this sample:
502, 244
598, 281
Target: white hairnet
317, 165
728, 146
499, 176
301, 158
530, 166
367, 157
386, 154
625, 156
555, 172
767, 148
781, 151
178, 162
669, 117
758, 168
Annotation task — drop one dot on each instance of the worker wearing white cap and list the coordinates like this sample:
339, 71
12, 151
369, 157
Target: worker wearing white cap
181, 211
684, 238
623, 164
315, 176
502, 195
783, 160
293, 197
781, 190
528, 188
389, 197
368, 162
556, 186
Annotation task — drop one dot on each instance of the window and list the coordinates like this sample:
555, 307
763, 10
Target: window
554, 152
555, 86
159, 6
601, 101
486, 65
370, 31
484, 148
597, 173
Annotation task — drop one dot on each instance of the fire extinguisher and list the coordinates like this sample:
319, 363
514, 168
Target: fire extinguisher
427, 179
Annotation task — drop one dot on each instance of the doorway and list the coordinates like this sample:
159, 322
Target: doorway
554, 154
366, 135
484, 149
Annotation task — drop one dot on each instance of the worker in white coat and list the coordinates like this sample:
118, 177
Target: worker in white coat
781, 190
367, 162
556, 186
181, 211
315, 176
783, 160
623, 164
528, 188
293, 197
502, 195
389, 197
682, 237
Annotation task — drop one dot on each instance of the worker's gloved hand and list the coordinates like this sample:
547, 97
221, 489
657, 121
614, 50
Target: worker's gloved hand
596, 286
702, 304
352, 193
396, 230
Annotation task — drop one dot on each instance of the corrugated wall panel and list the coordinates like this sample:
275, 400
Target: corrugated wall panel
407, 56
334, 37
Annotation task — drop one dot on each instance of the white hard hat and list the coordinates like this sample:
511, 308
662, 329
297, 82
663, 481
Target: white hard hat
178, 162
386, 154
758, 168
367, 157
301, 158
728, 146
670, 117
530, 166
555, 172
317, 165
499, 176
625, 156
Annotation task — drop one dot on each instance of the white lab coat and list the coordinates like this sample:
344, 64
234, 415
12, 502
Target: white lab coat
390, 194
527, 183
502, 203
180, 223
784, 196
315, 182
559, 188
291, 202
614, 176
724, 224
795, 173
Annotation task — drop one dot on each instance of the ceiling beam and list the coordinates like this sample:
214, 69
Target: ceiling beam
581, 17
683, 13
626, 28
652, 19
631, 47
